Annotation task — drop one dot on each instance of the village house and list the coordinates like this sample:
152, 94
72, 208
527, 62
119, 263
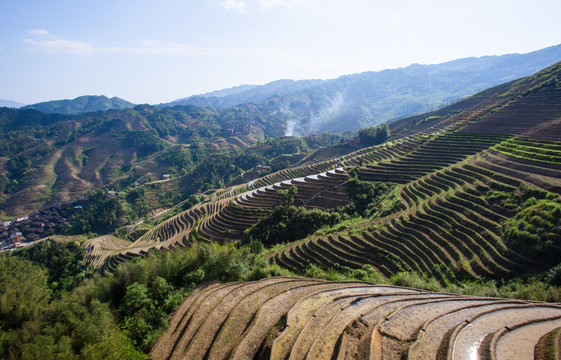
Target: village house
263, 168
32, 237
16, 237
33, 226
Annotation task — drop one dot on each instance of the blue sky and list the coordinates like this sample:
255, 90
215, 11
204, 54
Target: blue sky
159, 51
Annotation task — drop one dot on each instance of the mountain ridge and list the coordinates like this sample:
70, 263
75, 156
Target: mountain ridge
372, 97
353, 101
11, 103
80, 105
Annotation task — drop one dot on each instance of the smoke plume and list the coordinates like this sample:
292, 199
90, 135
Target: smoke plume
309, 125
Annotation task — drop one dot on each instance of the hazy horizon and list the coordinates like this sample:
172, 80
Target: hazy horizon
155, 53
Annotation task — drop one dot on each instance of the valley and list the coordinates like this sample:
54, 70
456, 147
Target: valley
476, 198
280, 180
436, 235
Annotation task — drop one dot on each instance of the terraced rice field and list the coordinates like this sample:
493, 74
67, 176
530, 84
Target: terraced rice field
434, 154
447, 221
220, 220
537, 115
232, 210
448, 228
501, 141
296, 318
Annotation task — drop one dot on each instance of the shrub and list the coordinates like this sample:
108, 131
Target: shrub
289, 223
374, 135
415, 280
535, 231
372, 199
553, 276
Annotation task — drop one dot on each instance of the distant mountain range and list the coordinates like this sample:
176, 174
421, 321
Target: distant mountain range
349, 102
10, 104
56, 157
247, 93
354, 101
81, 105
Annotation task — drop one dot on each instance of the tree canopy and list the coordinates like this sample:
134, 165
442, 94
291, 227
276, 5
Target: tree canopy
374, 135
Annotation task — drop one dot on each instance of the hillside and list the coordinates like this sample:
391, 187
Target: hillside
463, 202
465, 187
10, 103
355, 101
81, 105
461, 199
49, 158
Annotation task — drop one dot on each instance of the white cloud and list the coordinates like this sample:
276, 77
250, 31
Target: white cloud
61, 45
265, 57
38, 32
294, 58
239, 5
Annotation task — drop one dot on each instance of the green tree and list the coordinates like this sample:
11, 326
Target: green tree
23, 291
289, 223
371, 198
23, 295
102, 214
63, 262
136, 298
45, 347
288, 196
374, 135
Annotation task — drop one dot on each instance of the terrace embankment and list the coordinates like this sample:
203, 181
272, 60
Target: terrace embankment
296, 318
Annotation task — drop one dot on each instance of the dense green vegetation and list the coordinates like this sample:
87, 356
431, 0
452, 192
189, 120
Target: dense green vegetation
80, 105
120, 315
289, 223
62, 262
36, 326
371, 199
102, 214
111, 316
22, 129
145, 142
374, 135
536, 230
